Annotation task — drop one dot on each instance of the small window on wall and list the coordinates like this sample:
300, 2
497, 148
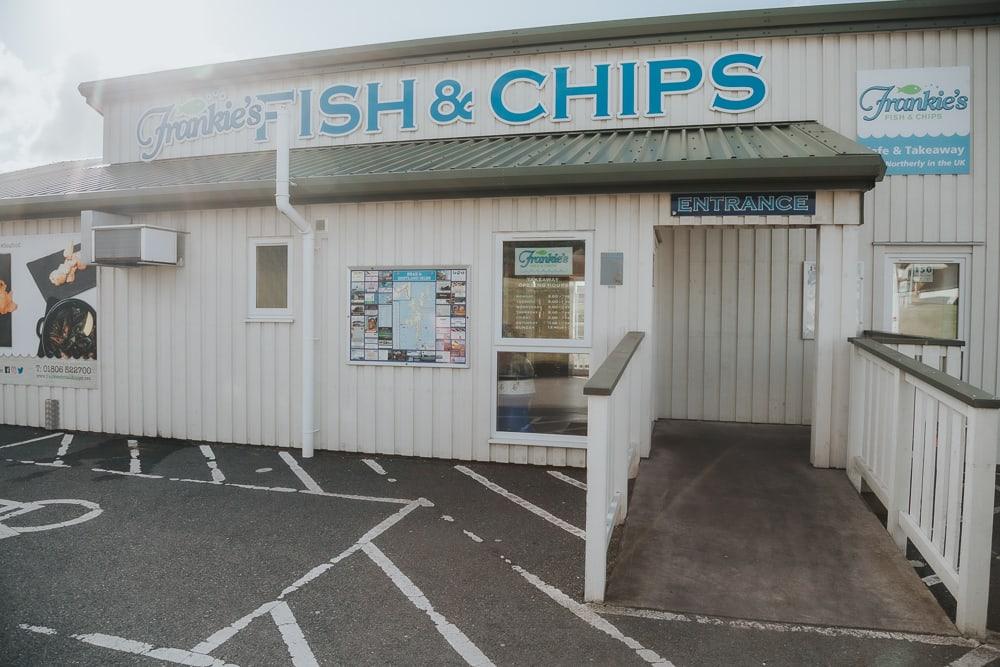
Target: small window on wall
926, 295
270, 298
543, 291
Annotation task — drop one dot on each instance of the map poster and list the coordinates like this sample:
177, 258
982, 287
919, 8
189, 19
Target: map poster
408, 316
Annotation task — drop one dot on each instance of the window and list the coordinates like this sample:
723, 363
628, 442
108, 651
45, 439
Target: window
926, 294
270, 298
542, 338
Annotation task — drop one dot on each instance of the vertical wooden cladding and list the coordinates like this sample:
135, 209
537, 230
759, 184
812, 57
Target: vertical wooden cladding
80, 408
179, 358
729, 322
445, 412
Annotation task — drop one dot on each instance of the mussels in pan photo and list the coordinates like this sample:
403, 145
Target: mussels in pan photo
69, 331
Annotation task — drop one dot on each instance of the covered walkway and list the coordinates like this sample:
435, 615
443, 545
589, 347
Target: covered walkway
732, 520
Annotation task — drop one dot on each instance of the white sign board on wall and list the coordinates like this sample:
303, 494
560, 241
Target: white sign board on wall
917, 119
48, 312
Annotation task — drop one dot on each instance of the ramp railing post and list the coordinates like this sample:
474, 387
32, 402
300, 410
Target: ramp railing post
598, 474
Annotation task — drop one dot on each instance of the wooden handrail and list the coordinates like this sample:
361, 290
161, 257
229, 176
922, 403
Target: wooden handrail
963, 391
892, 338
606, 378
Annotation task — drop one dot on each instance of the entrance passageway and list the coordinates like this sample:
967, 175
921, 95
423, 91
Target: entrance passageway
731, 520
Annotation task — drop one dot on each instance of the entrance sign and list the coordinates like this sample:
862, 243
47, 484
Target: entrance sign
409, 316
743, 203
917, 119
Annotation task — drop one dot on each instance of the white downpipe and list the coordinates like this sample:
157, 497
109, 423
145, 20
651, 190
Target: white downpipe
281, 200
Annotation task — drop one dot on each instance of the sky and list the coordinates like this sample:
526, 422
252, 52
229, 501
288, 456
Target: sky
47, 47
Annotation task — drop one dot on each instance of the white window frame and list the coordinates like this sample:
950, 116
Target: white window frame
588, 273
567, 346
255, 314
892, 256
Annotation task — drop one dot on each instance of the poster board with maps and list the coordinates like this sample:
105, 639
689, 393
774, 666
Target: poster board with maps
409, 316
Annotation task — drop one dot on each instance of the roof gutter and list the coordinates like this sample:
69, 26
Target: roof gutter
283, 202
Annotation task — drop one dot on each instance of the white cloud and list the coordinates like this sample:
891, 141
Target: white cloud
43, 118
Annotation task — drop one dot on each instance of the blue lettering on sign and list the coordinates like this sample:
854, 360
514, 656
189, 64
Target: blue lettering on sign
723, 79
349, 111
598, 90
517, 96
877, 100
658, 87
499, 107
757, 203
536, 256
415, 276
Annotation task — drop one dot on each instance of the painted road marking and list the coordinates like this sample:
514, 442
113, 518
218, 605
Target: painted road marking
451, 633
63, 447
295, 641
472, 536
303, 476
773, 626
47, 464
173, 655
26, 442
566, 478
377, 530
213, 465
374, 466
518, 500
977, 657
133, 452
590, 617
94, 510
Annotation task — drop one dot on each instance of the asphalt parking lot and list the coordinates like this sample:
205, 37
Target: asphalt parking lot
169, 552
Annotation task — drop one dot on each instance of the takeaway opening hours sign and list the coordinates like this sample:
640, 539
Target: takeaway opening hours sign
406, 316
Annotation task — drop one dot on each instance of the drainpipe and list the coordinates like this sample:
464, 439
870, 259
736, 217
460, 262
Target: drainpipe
281, 200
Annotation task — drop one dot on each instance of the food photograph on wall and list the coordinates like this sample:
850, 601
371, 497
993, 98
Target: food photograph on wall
48, 298
409, 316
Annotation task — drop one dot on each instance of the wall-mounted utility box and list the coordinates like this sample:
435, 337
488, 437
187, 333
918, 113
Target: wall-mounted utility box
138, 245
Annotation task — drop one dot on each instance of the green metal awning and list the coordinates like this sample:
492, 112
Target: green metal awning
803, 155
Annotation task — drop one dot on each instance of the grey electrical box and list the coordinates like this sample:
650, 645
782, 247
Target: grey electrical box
612, 268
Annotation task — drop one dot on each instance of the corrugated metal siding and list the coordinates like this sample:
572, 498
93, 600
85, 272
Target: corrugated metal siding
179, 360
729, 322
810, 77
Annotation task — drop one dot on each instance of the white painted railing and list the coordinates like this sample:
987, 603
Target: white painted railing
926, 444
608, 461
944, 355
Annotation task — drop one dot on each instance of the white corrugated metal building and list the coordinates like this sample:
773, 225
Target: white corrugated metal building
575, 143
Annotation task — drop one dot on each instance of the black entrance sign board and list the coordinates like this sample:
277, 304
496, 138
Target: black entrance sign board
743, 203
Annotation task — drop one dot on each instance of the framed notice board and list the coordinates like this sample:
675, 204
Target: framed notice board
409, 316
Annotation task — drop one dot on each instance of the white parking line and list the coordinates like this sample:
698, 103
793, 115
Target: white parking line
566, 478
213, 465
774, 626
63, 447
589, 616
371, 463
455, 637
26, 442
977, 657
133, 452
303, 476
518, 500
173, 655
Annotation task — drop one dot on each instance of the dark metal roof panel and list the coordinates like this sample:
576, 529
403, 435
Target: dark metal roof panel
653, 158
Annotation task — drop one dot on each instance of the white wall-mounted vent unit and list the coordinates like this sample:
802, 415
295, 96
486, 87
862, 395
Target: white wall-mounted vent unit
138, 245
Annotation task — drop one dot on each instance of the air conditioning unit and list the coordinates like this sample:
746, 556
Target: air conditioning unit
138, 245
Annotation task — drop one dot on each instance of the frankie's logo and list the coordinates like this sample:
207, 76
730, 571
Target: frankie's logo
909, 98
197, 118
541, 256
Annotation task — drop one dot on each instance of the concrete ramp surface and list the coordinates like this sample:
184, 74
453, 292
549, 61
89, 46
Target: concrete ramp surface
732, 520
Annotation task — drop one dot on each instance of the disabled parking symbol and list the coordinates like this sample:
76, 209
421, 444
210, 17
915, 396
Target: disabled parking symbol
12, 508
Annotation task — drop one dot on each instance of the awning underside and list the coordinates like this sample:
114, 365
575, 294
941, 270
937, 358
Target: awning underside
726, 157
